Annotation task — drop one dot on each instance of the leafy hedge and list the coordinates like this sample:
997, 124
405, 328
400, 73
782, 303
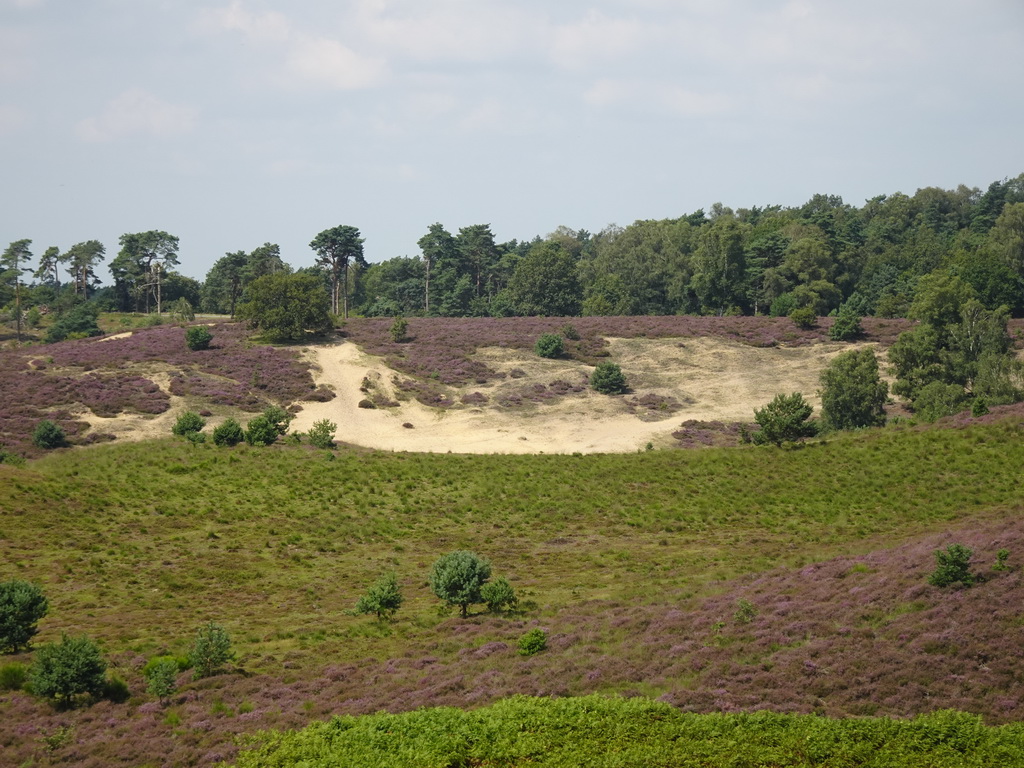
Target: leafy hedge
598, 731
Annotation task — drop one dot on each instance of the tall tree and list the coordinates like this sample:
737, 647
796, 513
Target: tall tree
479, 253
47, 272
143, 259
335, 249
265, 260
82, 259
438, 247
17, 253
224, 283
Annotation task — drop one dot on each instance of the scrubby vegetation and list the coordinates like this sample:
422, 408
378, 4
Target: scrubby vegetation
638, 586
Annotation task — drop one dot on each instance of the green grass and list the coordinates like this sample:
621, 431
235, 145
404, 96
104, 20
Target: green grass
614, 733
137, 544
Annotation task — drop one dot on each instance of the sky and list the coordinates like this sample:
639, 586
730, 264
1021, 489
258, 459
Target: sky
230, 123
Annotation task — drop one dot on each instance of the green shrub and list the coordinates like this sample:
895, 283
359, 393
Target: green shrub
846, 327
549, 345
937, 399
608, 379
12, 677
499, 596
78, 322
279, 417
48, 435
161, 675
570, 332
853, 394
321, 434
65, 670
458, 577
399, 329
784, 419
533, 642
1001, 557
953, 566
804, 318
979, 407
9, 457
116, 690
229, 432
189, 421
22, 605
745, 611
383, 598
210, 651
182, 311
198, 337
261, 431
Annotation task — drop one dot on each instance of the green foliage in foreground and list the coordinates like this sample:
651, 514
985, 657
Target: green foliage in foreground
608, 379
596, 731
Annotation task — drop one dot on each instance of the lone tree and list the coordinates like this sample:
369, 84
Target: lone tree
458, 577
383, 598
22, 605
608, 379
335, 249
852, 394
784, 419
287, 307
65, 670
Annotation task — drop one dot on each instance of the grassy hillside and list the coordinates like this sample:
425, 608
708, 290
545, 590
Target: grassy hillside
634, 564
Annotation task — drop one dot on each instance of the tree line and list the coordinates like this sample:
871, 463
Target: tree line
823, 256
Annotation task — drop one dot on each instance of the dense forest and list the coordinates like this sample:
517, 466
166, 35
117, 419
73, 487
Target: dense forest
823, 255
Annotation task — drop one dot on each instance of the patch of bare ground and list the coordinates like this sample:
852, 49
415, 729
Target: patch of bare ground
536, 405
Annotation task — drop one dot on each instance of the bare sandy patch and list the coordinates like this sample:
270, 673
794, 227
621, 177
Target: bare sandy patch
713, 379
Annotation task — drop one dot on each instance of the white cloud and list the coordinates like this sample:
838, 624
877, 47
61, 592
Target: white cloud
137, 111
597, 37
311, 60
326, 62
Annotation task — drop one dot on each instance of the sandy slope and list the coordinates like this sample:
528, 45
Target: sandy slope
713, 378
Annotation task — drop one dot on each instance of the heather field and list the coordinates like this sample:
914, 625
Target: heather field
730, 580
720, 580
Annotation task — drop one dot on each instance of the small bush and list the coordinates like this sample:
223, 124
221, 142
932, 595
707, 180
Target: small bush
12, 677
188, 422
161, 676
116, 690
937, 399
570, 332
383, 598
260, 431
22, 605
210, 651
1001, 557
279, 417
198, 338
228, 433
65, 670
979, 407
399, 329
804, 318
321, 434
608, 379
745, 611
953, 567
549, 345
846, 327
499, 596
48, 435
533, 642
784, 419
